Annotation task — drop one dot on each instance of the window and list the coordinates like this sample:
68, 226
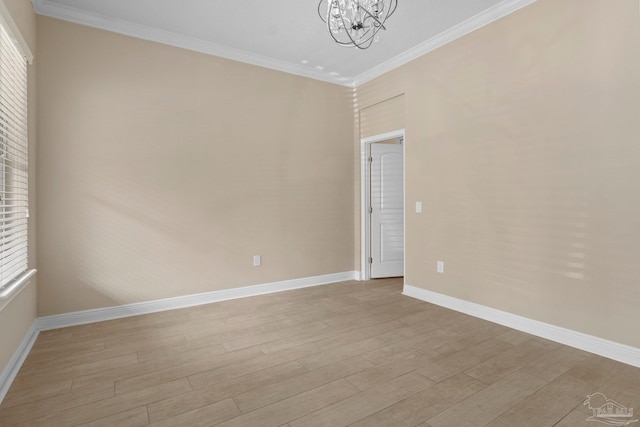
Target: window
14, 184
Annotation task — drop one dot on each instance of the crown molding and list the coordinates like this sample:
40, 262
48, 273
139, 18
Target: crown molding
103, 22
70, 14
478, 21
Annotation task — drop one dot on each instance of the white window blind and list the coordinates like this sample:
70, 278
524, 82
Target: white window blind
14, 185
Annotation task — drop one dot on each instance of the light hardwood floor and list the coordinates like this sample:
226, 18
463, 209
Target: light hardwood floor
352, 353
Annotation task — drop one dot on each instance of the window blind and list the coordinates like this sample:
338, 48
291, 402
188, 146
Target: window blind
14, 184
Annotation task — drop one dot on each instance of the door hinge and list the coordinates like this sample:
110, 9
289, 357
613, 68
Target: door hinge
370, 260
370, 209
370, 159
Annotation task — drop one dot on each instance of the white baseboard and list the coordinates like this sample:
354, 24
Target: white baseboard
11, 370
602, 347
110, 313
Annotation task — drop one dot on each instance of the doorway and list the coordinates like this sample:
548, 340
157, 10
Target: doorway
382, 205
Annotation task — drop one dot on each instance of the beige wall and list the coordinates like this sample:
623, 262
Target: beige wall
163, 171
382, 117
522, 144
18, 315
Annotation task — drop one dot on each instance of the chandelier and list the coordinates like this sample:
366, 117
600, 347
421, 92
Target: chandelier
355, 23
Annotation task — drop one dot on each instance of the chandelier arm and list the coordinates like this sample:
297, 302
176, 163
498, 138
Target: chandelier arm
333, 35
355, 43
319, 13
373, 32
375, 18
362, 44
336, 40
368, 41
328, 22
395, 6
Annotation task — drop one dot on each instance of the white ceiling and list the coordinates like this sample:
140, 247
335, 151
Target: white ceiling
286, 35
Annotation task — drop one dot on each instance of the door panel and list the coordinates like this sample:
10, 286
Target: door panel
387, 215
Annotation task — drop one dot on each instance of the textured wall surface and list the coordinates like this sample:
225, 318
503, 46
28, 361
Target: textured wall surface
522, 144
163, 171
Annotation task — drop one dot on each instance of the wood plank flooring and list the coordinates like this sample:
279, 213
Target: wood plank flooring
351, 353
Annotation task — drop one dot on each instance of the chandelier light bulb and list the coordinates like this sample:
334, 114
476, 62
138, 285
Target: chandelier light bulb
355, 23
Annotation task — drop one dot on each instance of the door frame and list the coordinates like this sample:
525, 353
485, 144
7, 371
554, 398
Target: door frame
365, 226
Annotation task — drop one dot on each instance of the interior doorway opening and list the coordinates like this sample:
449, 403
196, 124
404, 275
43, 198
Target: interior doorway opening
386, 191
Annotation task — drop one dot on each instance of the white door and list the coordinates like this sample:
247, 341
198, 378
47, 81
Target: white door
387, 210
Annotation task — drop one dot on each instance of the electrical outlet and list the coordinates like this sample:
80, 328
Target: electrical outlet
418, 207
440, 266
257, 260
